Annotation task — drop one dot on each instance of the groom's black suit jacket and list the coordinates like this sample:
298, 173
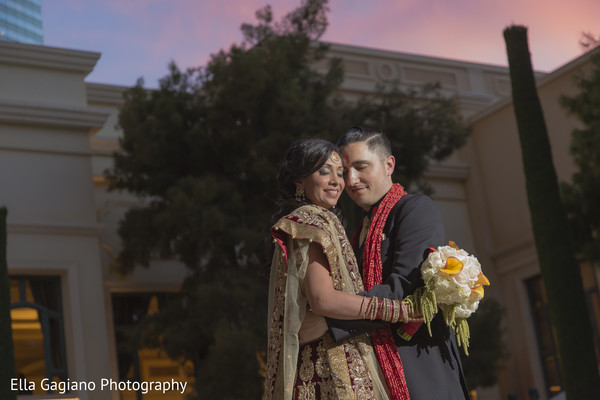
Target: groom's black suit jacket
432, 364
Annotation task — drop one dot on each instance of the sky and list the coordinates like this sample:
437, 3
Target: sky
138, 38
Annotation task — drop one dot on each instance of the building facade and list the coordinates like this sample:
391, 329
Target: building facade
504, 237
70, 313
21, 21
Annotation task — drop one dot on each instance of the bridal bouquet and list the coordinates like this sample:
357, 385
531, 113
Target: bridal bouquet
453, 283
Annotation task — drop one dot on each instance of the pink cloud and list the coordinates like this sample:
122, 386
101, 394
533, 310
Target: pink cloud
468, 30
142, 36
186, 32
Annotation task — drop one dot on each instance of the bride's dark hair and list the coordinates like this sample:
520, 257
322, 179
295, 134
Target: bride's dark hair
303, 158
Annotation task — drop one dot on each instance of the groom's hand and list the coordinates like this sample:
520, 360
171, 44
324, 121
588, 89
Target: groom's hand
313, 327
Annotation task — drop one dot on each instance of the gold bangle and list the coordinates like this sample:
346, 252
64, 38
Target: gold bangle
368, 308
361, 312
386, 310
374, 307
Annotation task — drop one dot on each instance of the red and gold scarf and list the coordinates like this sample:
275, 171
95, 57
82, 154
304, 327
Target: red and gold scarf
383, 340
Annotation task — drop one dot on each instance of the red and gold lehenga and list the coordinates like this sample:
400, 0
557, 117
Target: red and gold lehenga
321, 368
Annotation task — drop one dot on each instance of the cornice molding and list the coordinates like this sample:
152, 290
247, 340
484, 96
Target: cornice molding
368, 52
105, 94
30, 55
474, 100
26, 113
541, 79
456, 171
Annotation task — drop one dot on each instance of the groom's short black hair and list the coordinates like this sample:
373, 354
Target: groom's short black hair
376, 140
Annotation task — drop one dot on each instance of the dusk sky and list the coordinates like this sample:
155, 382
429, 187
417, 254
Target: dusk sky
138, 38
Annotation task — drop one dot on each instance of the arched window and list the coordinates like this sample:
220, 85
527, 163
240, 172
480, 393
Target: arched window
38, 329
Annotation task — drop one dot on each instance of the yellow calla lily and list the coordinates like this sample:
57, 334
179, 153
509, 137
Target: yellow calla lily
453, 266
482, 280
478, 290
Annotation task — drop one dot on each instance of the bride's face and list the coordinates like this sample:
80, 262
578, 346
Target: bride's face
324, 186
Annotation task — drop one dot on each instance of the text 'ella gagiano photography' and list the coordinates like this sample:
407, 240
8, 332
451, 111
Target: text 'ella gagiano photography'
105, 384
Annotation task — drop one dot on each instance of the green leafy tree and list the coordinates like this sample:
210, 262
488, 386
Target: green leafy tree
202, 153
7, 365
560, 269
582, 195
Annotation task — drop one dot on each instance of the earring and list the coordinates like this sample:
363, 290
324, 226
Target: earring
300, 196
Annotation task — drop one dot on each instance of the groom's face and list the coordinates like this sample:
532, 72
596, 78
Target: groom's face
368, 176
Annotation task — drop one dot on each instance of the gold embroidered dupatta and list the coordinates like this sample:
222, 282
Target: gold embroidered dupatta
287, 307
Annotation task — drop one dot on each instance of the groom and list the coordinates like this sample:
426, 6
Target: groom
390, 244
